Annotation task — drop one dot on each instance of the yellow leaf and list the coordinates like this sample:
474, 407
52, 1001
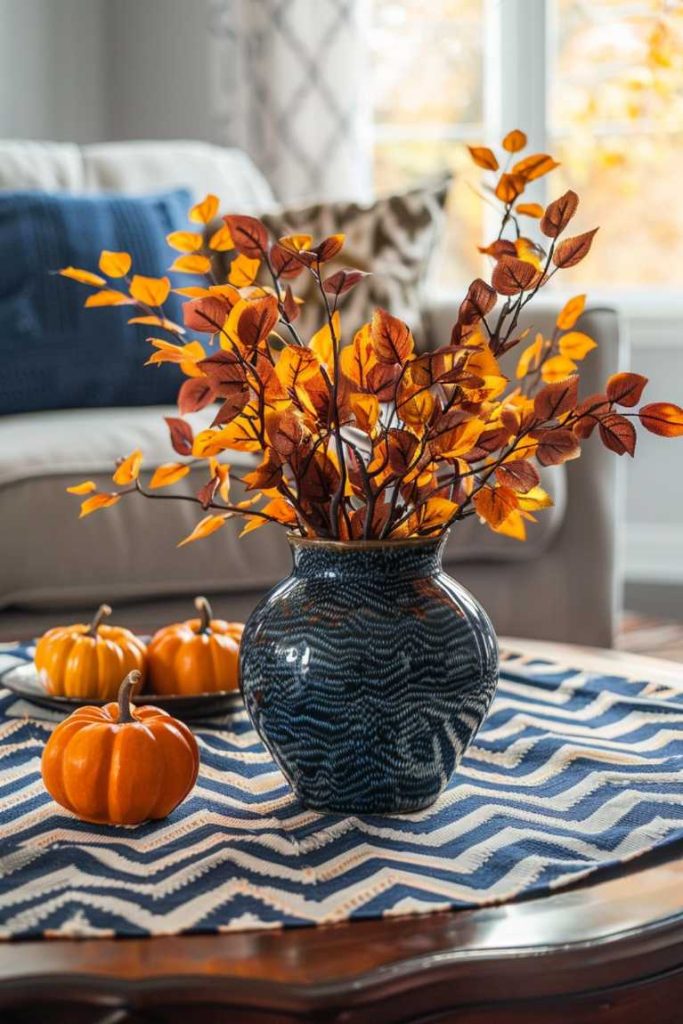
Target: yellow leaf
194, 291
191, 264
129, 469
530, 209
168, 474
153, 291
87, 487
186, 356
207, 442
529, 359
185, 241
295, 243
460, 440
514, 526
221, 240
205, 211
243, 271
158, 321
576, 345
321, 343
107, 297
205, 528
115, 264
83, 276
436, 512
534, 499
366, 411
221, 470
98, 501
557, 368
571, 312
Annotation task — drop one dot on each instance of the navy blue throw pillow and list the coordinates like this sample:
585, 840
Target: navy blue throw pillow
54, 353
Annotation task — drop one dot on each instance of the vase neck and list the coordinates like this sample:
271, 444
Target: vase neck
391, 558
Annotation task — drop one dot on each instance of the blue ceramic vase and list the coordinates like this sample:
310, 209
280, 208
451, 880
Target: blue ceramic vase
367, 673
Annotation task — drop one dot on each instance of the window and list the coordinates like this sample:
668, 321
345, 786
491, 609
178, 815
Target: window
616, 120
428, 101
599, 83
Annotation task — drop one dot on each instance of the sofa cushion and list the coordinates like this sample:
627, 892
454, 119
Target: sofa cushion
135, 168
50, 558
393, 239
56, 354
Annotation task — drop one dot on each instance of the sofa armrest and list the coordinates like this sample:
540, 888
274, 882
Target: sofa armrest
573, 590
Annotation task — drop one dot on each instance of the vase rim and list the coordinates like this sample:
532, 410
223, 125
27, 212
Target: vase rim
364, 545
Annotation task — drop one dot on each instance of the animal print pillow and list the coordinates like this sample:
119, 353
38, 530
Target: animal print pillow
393, 239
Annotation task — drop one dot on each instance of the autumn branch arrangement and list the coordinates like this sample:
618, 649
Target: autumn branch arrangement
369, 437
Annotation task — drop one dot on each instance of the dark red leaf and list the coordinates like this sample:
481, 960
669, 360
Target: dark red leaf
558, 214
195, 394
206, 314
342, 282
557, 446
573, 250
625, 388
182, 437
285, 263
520, 476
618, 434
248, 234
511, 276
556, 398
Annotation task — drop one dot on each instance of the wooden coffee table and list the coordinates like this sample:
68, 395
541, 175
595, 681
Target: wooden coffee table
605, 952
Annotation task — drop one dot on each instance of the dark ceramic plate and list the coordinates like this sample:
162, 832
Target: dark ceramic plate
25, 682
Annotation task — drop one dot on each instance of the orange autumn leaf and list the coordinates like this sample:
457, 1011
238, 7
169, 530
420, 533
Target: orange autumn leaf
530, 358
322, 342
129, 469
529, 209
107, 297
87, 487
534, 166
186, 356
514, 141
570, 312
509, 187
205, 528
243, 271
205, 211
572, 250
662, 418
484, 157
391, 338
576, 345
221, 240
82, 276
168, 473
97, 502
153, 291
192, 263
158, 321
557, 368
185, 241
494, 505
115, 264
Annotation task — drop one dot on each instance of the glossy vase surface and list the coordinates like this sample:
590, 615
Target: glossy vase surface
367, 673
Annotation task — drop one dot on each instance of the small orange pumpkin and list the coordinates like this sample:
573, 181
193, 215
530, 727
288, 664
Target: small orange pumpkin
88, 661
120, 765
198, 656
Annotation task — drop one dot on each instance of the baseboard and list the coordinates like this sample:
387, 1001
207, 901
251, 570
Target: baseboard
654, 553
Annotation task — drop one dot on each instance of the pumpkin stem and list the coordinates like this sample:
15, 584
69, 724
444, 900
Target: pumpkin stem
102, 612
205, 614
125, 692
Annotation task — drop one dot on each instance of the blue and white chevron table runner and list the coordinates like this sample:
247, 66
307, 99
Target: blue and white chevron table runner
573, 772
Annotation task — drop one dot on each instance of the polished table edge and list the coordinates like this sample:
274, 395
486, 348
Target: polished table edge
629, 926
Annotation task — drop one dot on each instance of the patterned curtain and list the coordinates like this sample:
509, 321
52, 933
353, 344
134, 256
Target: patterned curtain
290, 86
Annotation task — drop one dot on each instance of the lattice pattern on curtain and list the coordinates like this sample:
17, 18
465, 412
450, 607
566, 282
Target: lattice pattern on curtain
290, 86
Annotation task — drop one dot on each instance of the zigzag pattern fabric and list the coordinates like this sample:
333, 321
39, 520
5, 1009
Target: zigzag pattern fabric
571, 773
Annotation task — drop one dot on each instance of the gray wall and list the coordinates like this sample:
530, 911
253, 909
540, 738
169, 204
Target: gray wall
92, 70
